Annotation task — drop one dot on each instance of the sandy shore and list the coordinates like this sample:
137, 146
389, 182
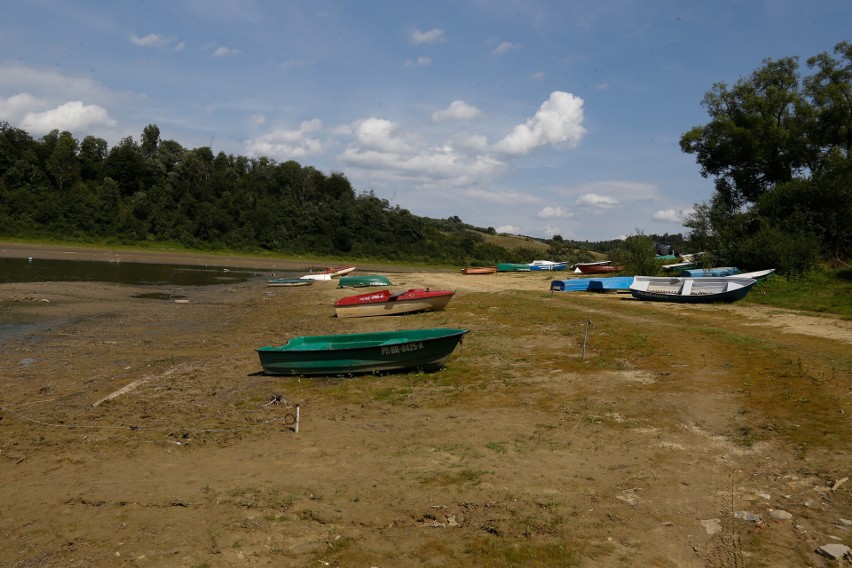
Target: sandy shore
142, 432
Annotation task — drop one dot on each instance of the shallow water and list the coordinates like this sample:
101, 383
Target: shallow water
136, 273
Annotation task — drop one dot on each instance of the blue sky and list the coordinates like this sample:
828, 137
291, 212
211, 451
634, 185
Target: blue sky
532, 117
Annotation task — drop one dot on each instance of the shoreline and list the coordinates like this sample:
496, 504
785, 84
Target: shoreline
231, 260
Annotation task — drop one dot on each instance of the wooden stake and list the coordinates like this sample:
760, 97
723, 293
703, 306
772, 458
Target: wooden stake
296, 428
585, 336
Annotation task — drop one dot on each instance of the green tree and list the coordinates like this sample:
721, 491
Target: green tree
62, 164
637, 254
778, 149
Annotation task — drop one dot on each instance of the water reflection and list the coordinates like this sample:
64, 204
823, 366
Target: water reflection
138, 273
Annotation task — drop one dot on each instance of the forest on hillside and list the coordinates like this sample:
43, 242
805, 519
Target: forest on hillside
158, 191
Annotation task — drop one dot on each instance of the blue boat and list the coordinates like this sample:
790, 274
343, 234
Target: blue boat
612, 284
710, 272
575, 285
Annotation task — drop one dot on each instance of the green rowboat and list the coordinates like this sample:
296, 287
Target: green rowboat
424, 349
362, 281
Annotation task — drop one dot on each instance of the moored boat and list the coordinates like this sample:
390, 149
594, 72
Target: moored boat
611, 284
691, 290
759, 275
547, 265
513, 267
531, 266
705, 272
385, 303
578, 266
329, 273
598, 268
572, 285
424, 349
479, 270
363, 281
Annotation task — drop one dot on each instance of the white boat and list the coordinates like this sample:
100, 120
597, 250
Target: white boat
691, 290
758, 275
547, 265
328, 273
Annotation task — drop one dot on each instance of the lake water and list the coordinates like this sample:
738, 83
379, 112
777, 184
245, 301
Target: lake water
137, 273
134, 273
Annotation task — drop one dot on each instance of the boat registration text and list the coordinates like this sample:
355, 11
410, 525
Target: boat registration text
404, 348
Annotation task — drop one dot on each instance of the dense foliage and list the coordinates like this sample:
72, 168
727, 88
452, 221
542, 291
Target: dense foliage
778, 147
156, 190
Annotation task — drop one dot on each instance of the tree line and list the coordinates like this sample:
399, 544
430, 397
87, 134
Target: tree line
158, 191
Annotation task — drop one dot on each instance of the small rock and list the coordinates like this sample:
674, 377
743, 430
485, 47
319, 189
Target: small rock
746, 516
845, 522
838, 483
835, 551
780, 515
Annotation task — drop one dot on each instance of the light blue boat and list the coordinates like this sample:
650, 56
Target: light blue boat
612, 284
710, 272
575, 285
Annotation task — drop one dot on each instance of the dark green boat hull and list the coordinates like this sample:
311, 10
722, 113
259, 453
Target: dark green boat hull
362, 281
423, 349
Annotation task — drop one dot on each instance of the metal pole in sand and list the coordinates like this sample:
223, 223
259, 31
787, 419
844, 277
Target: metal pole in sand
296, 429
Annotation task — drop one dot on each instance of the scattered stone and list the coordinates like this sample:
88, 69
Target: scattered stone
838, 483
834, 551
712, 526
845, 522
780, 515
746, 516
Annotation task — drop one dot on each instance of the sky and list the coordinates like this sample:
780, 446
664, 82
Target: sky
534, 117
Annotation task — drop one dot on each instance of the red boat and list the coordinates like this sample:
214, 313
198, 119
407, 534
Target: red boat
480, 270
385, 303
598, 268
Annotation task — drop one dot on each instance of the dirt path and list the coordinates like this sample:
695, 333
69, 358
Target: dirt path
141, 432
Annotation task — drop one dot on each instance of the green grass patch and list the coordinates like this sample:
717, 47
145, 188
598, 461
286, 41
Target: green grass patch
817, 292
497, 552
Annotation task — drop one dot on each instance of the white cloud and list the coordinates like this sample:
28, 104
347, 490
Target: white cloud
559, 120
458, 110
419, 62
537, 75
257, 119
72, 116
377, 134
15, 107
622, 190
150, 40
284, 144
180, 46
434, 35
48, 83
550, 212
595, 200
507, 198
673, 215
505, 47
380, 149
225, 51
510, 229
